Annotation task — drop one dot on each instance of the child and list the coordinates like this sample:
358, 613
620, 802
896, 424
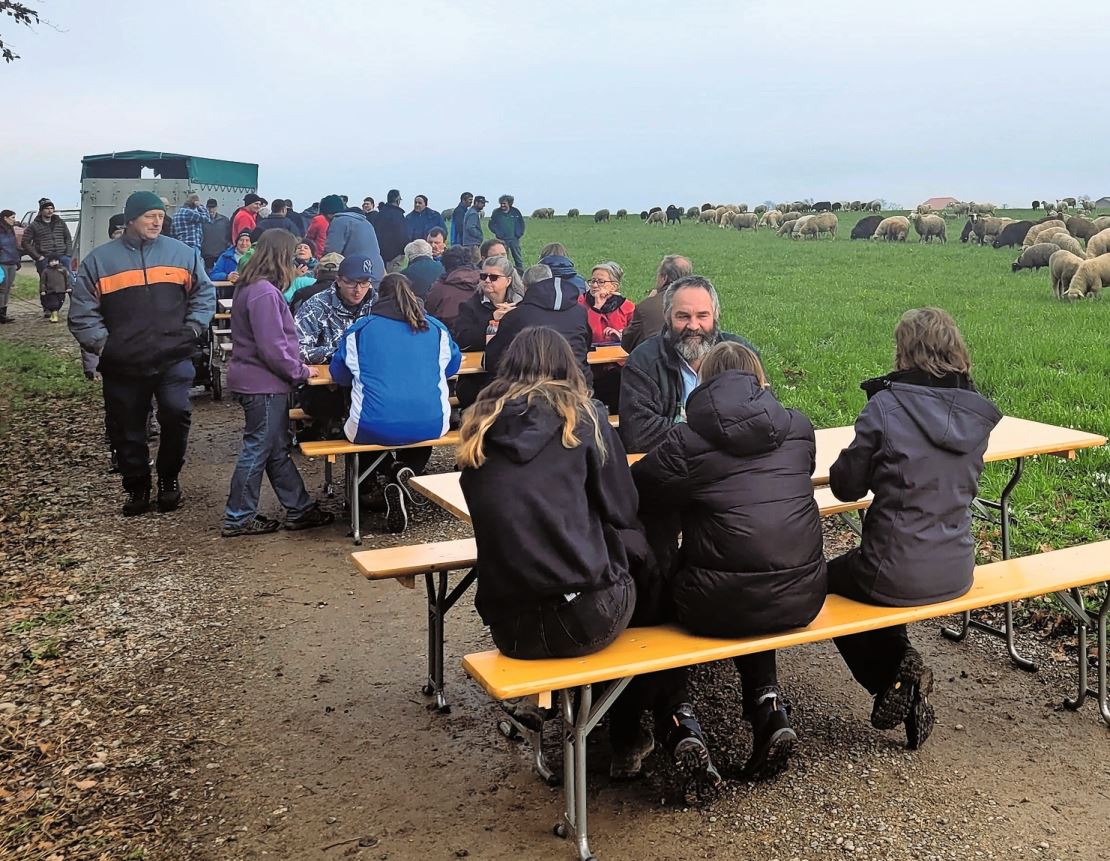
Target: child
264, 368
53, 286
919, 448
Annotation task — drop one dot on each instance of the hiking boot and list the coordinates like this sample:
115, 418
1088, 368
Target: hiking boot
4, 318
316, 517
401, 476
892, 706
690, 755
138, 502
773, 739
259, 526
53, 316
627, 761
396, 515
529, 715
920, 720
169, 494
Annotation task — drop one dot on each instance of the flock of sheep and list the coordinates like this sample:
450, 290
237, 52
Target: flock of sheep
1076, 271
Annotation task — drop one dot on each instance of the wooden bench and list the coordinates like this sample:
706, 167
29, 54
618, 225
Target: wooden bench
638, 651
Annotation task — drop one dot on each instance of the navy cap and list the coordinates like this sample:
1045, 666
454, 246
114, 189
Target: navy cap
356, 268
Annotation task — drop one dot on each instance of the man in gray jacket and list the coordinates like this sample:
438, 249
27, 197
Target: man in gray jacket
472, 236
350, 234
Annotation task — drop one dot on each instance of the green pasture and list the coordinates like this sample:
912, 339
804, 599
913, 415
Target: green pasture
823, 312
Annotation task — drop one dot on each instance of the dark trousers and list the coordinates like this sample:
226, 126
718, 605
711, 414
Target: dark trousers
514, 249
64, 262
873, 656
127, 407
758, 676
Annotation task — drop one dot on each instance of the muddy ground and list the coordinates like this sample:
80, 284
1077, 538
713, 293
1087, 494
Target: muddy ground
204, 698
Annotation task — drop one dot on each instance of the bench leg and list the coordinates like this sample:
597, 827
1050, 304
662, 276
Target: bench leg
1073, 602
329, 481
513, 729
577, 724
1103, 692
437, 600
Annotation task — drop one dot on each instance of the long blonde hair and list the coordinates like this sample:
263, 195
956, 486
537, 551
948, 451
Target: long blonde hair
731, 356
272, 260
538, 365
929, 340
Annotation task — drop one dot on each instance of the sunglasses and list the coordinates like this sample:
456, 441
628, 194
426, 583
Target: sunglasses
490, 276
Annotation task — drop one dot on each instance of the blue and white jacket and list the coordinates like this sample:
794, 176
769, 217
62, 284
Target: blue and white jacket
398, 378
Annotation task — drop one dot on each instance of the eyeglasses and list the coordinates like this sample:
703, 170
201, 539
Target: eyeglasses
490, 276
595, 282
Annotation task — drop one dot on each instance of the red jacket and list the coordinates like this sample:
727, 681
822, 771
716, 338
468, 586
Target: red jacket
317, 234
244, 220
616, 313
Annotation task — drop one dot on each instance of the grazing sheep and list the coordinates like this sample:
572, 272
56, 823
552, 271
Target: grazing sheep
1062, 239
659, 217
1013, 234
981, 208
838, 205
572, 213
692, 212
1092, 275
893, 229
643, 215
1036, 204
707, 216
601, 215
706, 206
724, 216
1087, 204
988, 227
1081, 228
929, 227
1042, 227
1070, 201
826, 222
1102, 222
1099, 244
772, 218
1034, 257
968, 232
805, 226
622, 213
786, 228
823, 206
674, 214
874, 206
745, 220
759, 210
1061, 268
791, 215
865, 227
743, 207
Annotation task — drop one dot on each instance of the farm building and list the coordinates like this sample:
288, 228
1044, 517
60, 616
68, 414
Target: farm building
938, 203
1103, 203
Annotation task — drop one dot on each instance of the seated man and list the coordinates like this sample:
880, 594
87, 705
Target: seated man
647, 319
660, 373
422, 270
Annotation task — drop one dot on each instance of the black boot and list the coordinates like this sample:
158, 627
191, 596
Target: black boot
138, 502
690, 754
912, 683
169, 494
4, 318
773, 738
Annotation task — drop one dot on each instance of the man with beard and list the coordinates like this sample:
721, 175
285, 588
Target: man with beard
660, 373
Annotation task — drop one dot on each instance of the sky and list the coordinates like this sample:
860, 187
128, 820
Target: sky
573, 104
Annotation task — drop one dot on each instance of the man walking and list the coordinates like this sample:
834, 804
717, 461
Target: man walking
142, 303
47, 238
189, 222
217, 235
507, 224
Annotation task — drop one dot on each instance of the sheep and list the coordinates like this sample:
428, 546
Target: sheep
742, 220
1012, 234
622, 213
572, 213
982, 208
692, 212
1063, 240
865, 227
968, 231
874, 206
1036, 204
743, 207
1081, 228
893, 229
1070, 201
1042, 227
826, 222
539, 213
1102, 222
707, 216
1087, 204
822, 206
772, 218
706, 206
1061, 268
929, 227
805, 226
1092, 275
838, 205
659, 217
759, 210
724, 216
643, 215
988, 227
791, 215
1099, 244
786, 228
601, 215
1034, 257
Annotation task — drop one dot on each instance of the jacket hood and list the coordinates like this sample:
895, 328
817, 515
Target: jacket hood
957, 420
463, 278
522, 432
735, 414
554, 294
562, 266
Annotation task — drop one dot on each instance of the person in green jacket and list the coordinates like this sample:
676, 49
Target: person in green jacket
507, 224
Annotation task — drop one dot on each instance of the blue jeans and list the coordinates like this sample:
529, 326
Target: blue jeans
514, 249
267, 448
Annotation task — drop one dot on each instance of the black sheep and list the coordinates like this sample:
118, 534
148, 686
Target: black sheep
1012, 234
969, 228
822, 206
865, 227
643, 215
674, 215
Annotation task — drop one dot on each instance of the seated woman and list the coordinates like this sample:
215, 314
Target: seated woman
609, 313
562, 570
738, 472
226, 267
397, 361
458, 284
919, 448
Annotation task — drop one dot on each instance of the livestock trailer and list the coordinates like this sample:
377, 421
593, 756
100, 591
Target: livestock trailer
108, 179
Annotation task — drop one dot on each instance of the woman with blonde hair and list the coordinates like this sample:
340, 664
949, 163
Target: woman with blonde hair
918, 448
562, 574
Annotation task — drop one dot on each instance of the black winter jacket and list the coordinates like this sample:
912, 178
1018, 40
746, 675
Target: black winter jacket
470, 327
552, 303
919, 448
651, 392
44, 238
738, 472
393, 232
547, 519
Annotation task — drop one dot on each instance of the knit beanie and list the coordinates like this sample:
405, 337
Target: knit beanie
141, 202
331, 205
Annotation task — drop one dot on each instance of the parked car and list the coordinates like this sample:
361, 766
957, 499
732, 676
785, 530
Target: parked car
72, 217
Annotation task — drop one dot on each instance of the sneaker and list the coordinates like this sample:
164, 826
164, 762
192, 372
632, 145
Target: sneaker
316, 517
402, 476
396, 515
259, 526
138, 502
169, 494
773, 739
892, 706
920, 720
626, 762
690, 755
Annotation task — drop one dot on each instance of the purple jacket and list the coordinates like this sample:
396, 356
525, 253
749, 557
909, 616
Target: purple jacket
265, 357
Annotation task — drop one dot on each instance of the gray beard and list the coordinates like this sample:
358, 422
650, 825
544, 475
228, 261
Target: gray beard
695, 349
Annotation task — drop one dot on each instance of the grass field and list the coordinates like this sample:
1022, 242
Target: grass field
823, 312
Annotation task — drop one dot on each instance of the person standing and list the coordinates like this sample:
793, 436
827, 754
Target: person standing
217, 234
142, 304
9, 261
246, 216
459, 216
422, 220
189, 222
392, 231
48, 236
472, 235
278, 218
351, 235
507, 224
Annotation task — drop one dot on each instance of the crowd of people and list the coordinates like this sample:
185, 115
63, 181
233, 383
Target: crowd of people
574, 544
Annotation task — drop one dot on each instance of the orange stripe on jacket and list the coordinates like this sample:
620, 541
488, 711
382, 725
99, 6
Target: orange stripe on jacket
138, 277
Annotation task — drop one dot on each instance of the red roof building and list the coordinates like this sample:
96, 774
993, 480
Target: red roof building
938, 203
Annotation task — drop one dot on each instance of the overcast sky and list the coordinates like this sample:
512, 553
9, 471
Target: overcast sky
583, 104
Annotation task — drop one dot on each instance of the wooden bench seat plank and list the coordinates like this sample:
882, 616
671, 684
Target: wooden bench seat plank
326, 447
390, 562
644, 650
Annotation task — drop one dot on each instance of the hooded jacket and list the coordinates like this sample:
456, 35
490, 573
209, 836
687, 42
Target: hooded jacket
738, 474
225, 264
417, 224
217, 236
563, 267
349, 234
389, 224
47, 238
317, 235
919, 448
546, 518
398, 378
141, 305
616, 313
449, 292
265, 359
553, 303
321, 322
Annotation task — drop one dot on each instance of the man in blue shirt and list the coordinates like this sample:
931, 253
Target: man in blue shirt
459, 215
189, 221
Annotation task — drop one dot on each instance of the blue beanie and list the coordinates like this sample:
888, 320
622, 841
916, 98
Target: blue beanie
141, 202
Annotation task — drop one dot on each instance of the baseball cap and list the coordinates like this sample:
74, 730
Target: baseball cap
356, 268
330, 261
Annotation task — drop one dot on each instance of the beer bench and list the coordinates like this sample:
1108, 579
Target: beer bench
638, 651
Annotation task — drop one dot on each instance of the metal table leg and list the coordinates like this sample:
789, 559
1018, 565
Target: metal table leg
439, 602
1007, 632
354, 477
1072, 601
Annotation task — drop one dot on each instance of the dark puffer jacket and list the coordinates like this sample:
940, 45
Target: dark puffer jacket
739, 473
919, 448
44, 238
